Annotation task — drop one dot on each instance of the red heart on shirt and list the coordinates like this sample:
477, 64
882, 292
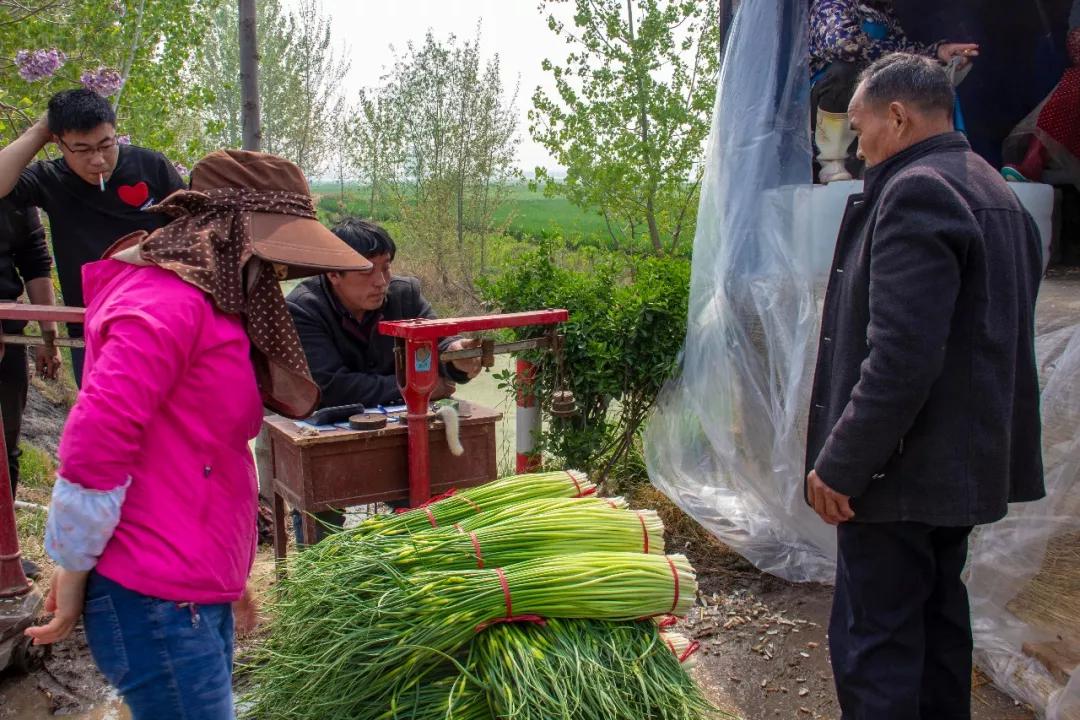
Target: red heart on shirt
134, 195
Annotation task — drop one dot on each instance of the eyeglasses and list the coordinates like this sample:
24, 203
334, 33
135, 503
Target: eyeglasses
103, 147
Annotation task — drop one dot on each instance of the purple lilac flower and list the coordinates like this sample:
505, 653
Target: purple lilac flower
104, 81
123, 139
36, 65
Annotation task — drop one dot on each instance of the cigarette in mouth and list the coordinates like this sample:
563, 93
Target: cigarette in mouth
101, 181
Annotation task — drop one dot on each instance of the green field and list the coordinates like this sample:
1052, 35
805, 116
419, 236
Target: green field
527, 213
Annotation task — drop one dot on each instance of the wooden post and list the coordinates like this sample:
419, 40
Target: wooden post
249, 77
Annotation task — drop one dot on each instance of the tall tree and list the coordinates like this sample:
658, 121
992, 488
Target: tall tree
300, 75
247, 32
631, 111
457, 149
377, 136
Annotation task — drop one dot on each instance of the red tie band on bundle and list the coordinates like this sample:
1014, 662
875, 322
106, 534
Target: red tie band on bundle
574, 480
690, 650
668, 621
431, 517
470, 503
674, 574
506, 591
644, 531
510, 617
580, 493
480, 560
437, 498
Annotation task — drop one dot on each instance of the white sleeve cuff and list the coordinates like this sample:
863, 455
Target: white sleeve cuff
80, 523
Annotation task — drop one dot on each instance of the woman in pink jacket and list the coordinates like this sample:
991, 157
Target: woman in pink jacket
152, 522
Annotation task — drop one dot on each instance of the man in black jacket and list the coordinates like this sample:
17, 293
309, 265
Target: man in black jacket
24, 262
337, 317
924, 417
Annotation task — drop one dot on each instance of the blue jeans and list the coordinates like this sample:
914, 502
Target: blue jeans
169, 662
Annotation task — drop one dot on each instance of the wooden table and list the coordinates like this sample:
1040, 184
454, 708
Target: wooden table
335, 469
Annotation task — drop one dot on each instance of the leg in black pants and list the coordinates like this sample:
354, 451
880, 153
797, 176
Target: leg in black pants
900, 632
833, 90
946, 683
78, 355
14, 381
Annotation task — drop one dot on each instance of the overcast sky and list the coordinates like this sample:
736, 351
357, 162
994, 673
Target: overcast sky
514, 29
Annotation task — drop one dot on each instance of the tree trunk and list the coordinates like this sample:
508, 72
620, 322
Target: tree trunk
643, 122
130, 62
371, 205
654, 230
249, 77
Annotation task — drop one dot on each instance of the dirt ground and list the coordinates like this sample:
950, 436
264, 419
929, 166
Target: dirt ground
764, 651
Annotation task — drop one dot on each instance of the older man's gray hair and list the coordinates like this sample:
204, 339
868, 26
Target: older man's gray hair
910, 79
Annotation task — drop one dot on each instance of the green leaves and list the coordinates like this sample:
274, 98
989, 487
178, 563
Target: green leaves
631, 111
300, 75
157, 38
627, 324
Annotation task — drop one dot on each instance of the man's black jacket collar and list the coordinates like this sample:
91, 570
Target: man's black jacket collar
876, 176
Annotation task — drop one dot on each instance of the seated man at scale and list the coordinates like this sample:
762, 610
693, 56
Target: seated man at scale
845, 37
337, 317
97, 191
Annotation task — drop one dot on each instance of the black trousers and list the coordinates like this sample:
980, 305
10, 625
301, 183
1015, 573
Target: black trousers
833, 90
900, 631
14, 382
78, 355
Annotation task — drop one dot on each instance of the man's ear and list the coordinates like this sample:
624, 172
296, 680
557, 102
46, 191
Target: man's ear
898, 115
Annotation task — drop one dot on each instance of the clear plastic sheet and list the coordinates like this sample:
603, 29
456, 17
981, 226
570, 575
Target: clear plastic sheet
727, 438
1008, 608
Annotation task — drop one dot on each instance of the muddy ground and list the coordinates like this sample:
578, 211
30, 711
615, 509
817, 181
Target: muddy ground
764, 651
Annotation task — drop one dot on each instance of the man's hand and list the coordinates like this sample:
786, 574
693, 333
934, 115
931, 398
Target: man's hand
41, 129
833, 507
245, 614
444, 388
965, 51
48, 362
470, 366
18, 154
67, 592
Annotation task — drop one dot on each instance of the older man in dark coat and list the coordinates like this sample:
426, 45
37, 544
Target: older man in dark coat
924, 415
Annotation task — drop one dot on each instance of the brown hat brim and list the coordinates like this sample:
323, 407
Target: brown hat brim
302, 244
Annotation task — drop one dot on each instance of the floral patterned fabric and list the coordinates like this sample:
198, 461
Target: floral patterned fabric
1060, 115
80, 523
856, 32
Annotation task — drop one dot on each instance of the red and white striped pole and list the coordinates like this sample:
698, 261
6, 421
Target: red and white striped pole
527, 418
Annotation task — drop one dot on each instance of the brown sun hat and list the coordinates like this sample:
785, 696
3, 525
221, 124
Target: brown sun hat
247, 217
304, 244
